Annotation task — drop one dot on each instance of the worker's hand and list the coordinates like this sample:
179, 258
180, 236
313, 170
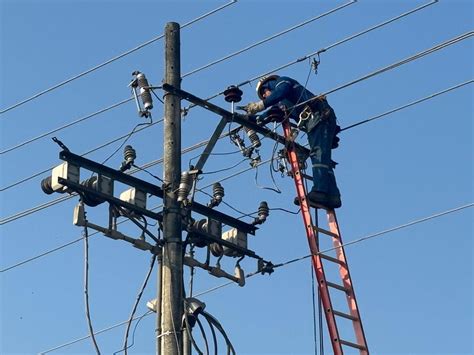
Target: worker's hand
254, 107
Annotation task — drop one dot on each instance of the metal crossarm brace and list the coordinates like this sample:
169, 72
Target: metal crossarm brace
145, 187
229, 116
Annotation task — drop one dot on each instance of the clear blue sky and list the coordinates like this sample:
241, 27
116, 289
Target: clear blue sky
414, 286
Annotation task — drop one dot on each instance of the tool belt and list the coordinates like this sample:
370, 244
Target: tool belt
316, 111
318, 108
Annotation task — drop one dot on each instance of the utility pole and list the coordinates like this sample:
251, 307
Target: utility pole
171, 297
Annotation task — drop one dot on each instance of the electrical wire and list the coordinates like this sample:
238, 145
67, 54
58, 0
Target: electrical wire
7, 220
188, 331
390, 67
103, 145
268, 38
214, 337
378, 234
134, 330
86, 288
185, 75
147, 313
130, 51
224, 169
40, 207
299, 60
215, 322
409, 59
206, 343
408, 105
137, 301
313, 301
125, 141
70, 124
215, 288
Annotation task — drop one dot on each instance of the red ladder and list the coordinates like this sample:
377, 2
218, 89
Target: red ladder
312, 233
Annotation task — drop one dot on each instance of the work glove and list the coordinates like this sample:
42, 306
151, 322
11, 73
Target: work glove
254, 107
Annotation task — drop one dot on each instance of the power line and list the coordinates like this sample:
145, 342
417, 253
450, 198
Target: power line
96, 333
416, 56
79, 239
392, 66
408, 105
370, 236
286, 65
203, 143
54, 87
378, 234
185, 75
103, 145
268, 38
335, 44
79, 120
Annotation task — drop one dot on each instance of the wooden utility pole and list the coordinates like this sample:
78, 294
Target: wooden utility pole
171, 297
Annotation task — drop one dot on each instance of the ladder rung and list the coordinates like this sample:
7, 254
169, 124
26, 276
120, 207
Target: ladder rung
354, 345
339, 287
324, 231
330, 258
306, 176
345, 315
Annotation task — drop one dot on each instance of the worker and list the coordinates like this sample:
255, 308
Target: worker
315, 117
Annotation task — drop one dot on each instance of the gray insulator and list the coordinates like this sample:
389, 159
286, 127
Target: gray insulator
217, 191
253, 137
46, 186
144, 91
184, 186
263, 210
129, 154
91, 183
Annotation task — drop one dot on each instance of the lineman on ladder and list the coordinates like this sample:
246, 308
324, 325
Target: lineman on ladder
317, 118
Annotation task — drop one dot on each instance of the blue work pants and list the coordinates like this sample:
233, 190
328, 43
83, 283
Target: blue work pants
321, 132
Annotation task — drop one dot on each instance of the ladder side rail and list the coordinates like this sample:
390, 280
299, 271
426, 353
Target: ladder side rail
311, 236
346, 280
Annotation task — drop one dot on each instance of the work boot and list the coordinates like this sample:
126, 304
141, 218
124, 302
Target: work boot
319, 199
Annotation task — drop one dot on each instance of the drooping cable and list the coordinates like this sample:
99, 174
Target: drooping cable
215, 322
203, 333
86, 288
190, 335
107, 62
214, 337
137, 301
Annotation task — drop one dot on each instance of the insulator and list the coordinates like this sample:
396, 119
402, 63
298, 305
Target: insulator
233, 94
46, 186
263, 210
217, 194
216, 249
184, 186
254, 139
92, 201
129, 154
144, 91
276, 114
